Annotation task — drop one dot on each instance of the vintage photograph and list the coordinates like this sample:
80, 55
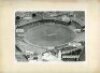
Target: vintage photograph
50, 36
